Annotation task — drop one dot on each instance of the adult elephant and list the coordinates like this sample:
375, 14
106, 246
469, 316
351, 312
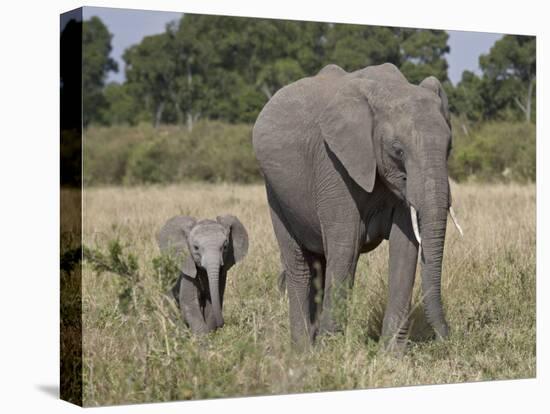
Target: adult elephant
351, 159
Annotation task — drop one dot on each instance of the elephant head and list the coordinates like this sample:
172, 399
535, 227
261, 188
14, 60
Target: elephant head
379, 126
206, 244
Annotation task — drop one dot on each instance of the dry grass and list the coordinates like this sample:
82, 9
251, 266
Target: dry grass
148, 355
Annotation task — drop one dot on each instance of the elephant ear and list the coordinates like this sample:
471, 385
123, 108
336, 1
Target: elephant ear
433, 84
173, 240
347, 128
238, 239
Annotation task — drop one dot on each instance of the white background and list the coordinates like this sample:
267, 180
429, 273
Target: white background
29, 216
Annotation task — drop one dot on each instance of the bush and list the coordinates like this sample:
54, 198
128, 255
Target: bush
494, 152
213, 151
219, 152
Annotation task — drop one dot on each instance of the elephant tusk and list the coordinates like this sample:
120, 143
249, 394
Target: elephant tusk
414, 220
455, 221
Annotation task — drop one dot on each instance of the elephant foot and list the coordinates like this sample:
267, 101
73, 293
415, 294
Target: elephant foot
441, 331
393, 347
302, 344
329, 327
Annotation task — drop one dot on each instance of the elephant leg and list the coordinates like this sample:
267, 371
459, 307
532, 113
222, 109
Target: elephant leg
190, 307
341, 263
300, 298
403, 255
297, 273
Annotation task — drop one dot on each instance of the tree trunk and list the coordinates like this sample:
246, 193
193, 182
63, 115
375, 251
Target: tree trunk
190, 103
266, 91
189, 121
464, 128
526, 108
179, 113
158, 114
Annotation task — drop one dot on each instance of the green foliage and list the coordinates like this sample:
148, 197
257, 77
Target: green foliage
151, 70
213, 151
106, 152
226, 68
121, 107
152, 162
509, 69
355, 46
466, 98
493, 152
506, 90
124, 266
96, 63
219, 152
165, 270
423, 54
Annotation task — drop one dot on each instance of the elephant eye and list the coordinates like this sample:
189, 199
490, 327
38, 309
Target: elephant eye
195, 247
398, 150
225, 244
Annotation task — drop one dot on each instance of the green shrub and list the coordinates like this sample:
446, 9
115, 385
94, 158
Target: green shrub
107, 149
123, 266
494, 152
213, 151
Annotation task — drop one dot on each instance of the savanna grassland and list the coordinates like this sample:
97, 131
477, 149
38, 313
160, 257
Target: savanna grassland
137, 349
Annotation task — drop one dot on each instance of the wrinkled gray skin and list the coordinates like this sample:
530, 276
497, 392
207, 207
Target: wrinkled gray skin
204, 251
344, 156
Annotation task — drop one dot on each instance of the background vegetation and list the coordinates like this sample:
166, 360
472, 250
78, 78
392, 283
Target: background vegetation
215, 151
136, 348
224, 69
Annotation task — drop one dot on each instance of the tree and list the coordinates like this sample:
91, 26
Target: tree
96, 47
510, 72
224, 67
422, 54
228, 67
151, 71
467, 97
355, 46
121, 106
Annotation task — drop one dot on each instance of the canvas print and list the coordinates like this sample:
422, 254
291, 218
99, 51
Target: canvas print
253, 206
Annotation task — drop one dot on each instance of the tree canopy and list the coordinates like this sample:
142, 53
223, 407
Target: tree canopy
506, 87
226, 68
96, 47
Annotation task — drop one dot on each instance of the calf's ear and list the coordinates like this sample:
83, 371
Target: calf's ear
173, 241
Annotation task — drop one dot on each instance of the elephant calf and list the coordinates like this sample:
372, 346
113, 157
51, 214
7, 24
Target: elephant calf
204, 251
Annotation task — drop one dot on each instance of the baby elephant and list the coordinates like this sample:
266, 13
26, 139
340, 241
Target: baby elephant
204, 251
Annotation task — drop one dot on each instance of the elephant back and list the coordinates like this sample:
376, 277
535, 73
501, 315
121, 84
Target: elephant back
291, 110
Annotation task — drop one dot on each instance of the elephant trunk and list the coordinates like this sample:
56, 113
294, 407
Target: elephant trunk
213, 271
433, 225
